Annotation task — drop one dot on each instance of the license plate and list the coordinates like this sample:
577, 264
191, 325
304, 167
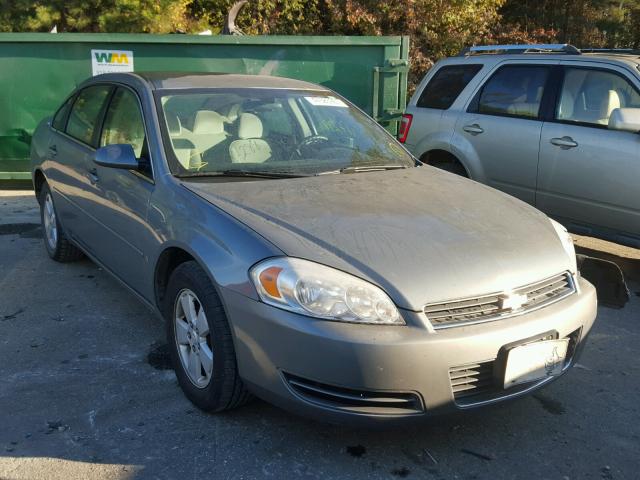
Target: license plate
535, 361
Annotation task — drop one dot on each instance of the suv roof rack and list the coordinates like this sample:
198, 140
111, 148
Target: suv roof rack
616, 51
516, 49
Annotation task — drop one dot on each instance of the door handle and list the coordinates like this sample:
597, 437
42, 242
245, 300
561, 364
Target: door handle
93, 176
474, 129
53, 150
564, 142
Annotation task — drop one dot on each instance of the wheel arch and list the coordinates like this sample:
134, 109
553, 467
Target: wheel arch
438, 155
38, 181
168, 260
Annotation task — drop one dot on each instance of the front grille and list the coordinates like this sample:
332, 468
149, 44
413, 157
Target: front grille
471, 380
355, 401
475, 383
495, 307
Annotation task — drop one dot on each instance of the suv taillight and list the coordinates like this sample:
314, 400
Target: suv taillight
405, 125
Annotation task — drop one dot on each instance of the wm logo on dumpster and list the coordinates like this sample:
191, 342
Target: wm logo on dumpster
111, 57
111, 61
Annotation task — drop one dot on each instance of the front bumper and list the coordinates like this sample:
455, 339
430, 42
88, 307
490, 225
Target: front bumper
373, 368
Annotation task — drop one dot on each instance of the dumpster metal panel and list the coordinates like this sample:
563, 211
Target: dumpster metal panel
40, 69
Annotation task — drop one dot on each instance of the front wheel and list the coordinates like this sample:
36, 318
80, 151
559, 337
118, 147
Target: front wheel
200, 341
58, 246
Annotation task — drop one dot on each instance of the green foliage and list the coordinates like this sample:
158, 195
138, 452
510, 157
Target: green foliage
437, 28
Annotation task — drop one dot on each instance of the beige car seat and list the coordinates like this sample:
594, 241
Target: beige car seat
208, 130
250, 146
183, 147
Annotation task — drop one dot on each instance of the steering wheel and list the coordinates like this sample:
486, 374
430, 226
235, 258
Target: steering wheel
312, 140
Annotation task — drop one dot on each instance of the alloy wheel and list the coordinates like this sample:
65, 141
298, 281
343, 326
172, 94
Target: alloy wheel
50, 224
193, 338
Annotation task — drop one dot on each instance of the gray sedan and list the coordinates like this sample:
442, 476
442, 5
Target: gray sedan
298, 253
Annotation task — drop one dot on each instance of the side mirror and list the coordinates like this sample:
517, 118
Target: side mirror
117, 156
625, 119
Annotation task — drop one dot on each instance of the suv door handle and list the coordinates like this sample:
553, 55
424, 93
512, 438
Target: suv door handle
474, 129
53, 150
93, 176
564, 142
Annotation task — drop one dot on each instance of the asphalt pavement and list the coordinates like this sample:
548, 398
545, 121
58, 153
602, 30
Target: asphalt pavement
85, 393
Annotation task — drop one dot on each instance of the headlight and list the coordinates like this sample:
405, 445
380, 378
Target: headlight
567, 243
312, 289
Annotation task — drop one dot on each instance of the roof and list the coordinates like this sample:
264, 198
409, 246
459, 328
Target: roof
177, 80
563, 52
623, 60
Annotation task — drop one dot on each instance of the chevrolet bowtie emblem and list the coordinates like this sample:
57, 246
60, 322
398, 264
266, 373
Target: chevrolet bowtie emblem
512, 301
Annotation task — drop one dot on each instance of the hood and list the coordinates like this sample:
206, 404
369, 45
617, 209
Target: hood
421, 234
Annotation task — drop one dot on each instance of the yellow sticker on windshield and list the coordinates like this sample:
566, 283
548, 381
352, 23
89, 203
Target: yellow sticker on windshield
325, 101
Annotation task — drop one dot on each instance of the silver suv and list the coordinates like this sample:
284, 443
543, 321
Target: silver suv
550, 124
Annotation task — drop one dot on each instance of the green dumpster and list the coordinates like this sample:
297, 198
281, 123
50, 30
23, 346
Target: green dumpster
40, 69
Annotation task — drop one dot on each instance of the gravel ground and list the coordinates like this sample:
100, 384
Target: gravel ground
85, 394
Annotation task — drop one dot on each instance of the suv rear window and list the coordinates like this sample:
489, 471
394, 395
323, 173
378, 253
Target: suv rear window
445, 86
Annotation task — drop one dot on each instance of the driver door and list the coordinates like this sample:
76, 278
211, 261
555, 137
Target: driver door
123, 196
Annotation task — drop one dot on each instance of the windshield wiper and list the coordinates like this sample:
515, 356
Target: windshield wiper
243, 173
363, 168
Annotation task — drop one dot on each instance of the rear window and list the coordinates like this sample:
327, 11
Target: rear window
445, 86
60, 119
86, 111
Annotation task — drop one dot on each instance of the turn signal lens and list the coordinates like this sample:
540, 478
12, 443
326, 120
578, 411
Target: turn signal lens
269, 281
319, 291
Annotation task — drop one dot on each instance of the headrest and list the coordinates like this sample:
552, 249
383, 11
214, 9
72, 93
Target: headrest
208, 122
249, 126
610, 103
567, 104
174, 125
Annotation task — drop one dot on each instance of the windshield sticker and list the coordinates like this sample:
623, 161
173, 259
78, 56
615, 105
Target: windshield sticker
109, 61
326, 102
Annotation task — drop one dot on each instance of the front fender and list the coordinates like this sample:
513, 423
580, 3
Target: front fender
224, 247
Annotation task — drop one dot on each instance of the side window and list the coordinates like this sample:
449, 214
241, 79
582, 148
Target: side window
123, 123
86, 112
60, 118
589, 96
514, 91
445, 86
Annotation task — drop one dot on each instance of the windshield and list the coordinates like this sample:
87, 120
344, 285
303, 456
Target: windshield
272, 131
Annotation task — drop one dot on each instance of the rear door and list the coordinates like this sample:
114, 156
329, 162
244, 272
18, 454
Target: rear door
433, 116
501, 127
72, 148
589, 175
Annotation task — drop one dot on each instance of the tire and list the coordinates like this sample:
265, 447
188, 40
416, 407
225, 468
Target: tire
452, 167
56, 243
221, 389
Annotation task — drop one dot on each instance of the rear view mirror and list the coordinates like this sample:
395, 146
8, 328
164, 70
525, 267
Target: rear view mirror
625, 119
117, 156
